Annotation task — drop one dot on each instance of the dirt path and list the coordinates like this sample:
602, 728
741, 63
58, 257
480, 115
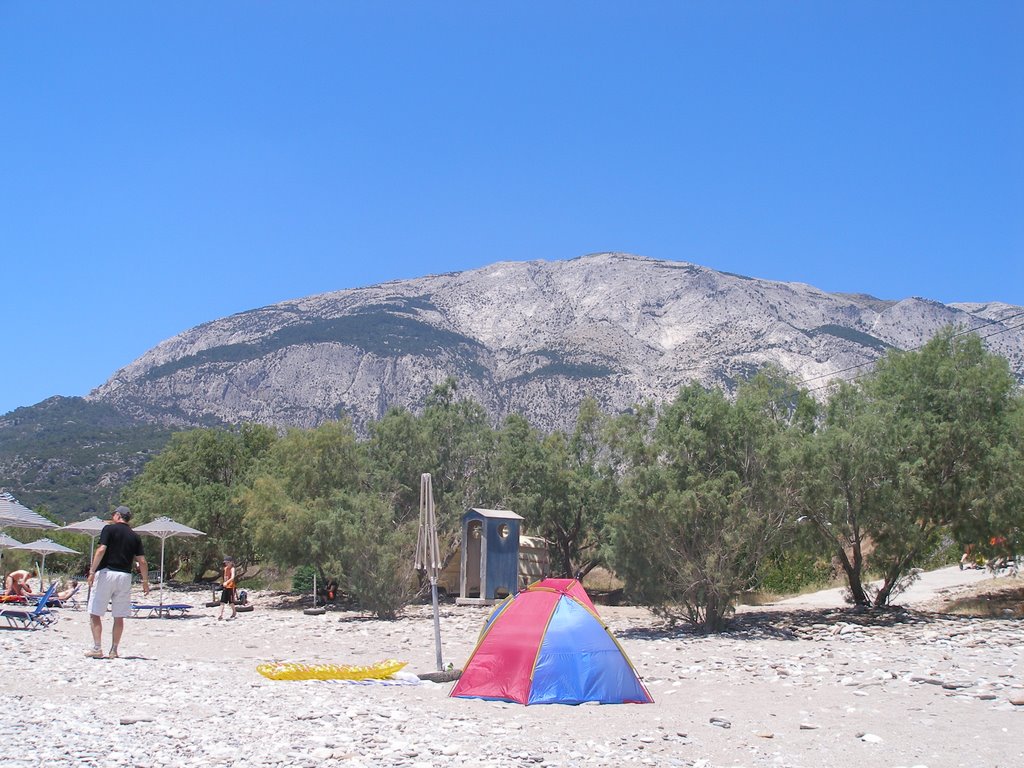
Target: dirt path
931, 586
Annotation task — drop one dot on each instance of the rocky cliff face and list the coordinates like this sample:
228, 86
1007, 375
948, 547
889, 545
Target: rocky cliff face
530, 337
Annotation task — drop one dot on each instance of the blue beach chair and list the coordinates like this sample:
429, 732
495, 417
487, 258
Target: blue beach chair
31, 618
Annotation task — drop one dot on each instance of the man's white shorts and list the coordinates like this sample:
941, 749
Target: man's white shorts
114, 587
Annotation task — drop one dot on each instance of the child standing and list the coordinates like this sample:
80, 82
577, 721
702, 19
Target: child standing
227, 592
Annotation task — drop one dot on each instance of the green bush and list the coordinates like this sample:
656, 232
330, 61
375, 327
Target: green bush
790, 572
378, 557
302, 580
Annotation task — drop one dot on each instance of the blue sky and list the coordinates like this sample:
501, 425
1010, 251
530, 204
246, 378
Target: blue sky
165, 164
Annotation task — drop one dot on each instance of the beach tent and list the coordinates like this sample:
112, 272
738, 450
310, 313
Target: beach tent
547, 645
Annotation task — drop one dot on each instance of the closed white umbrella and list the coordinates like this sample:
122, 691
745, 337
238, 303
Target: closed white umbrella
164, 528
428, 554
46, 547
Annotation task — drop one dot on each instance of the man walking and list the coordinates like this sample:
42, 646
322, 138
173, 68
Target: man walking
110, 577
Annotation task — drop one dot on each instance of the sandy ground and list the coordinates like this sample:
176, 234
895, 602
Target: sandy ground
803, 683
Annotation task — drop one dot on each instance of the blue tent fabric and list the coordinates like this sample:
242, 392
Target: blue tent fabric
579, 661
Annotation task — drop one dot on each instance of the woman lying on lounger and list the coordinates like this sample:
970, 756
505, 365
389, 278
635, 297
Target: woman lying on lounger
66, 594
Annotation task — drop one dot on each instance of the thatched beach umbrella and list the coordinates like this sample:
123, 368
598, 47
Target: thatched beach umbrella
164, 528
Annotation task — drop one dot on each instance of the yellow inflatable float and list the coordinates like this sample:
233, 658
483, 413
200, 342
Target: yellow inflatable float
288, 670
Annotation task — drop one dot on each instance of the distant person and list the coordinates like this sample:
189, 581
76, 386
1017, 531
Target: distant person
1000, 553
967, 559
110, 577
227, 591
17, 584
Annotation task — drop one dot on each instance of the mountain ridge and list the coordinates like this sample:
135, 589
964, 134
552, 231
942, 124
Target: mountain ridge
533, 337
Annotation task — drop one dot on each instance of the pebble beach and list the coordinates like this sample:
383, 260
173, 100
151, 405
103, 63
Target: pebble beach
803, 683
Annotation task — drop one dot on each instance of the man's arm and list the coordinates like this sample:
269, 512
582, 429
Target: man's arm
140, 561
96, 559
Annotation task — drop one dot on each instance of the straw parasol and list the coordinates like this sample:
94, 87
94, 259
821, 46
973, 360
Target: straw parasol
92, 527
46, 547
164, 528
14, 514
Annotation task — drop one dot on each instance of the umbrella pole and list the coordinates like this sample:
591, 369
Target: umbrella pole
437, 622
88, 592
162, 575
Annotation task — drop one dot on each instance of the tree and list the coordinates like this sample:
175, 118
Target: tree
949, 410
576, 492
921, 449
461, 441
378, 554
846, 483
1003, 517
195, 480
517, 458
313, 463
292, 504
399, 451
704, 499
559, 484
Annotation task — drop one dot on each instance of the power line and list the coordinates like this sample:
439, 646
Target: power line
834, 374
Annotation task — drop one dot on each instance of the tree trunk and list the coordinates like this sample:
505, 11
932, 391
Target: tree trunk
854, 573
891, 578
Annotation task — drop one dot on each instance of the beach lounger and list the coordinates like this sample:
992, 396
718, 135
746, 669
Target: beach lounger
54, 602
71, 601
24, 617
160, 611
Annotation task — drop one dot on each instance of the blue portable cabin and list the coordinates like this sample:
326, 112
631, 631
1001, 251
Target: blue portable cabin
489, 566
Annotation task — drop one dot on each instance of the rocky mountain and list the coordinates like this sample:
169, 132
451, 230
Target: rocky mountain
531, 337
